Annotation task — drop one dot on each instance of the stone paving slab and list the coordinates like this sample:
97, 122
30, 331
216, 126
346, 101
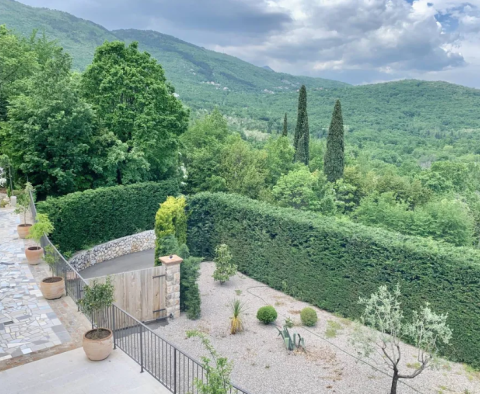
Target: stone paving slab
27, 322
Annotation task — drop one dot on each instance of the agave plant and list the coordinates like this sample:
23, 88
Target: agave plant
291, 342
236, 324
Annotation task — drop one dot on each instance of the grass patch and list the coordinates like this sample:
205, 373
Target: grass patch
332, 328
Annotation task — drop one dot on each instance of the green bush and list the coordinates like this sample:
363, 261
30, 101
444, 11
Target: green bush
267, 314
85, 219
309, 317
330, 263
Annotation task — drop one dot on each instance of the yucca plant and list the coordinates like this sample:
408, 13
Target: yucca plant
236, 324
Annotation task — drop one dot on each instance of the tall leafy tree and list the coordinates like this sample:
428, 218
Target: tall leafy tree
280, 154
17, 62
334, 160
285, 126
50, 129
202, 147
302, 130
136, 105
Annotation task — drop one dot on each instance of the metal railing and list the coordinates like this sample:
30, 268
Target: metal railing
176, 370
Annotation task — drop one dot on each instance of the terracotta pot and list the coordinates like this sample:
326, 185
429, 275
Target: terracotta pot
53, 287
98, 349
34, 254
23, 230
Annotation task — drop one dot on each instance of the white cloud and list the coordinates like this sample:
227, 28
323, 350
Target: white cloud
353, 40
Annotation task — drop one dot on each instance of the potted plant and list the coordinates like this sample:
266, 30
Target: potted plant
97, 342
52, 287
22, 205
43, 227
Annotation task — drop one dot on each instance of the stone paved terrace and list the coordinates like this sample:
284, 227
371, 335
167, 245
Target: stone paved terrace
28, 323
71, 372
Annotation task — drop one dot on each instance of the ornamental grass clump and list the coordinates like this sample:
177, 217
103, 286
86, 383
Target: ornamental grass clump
309, 317
267, 314
236, 321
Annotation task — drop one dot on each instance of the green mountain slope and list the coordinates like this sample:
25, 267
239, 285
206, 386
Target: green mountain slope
257, 98
78, 36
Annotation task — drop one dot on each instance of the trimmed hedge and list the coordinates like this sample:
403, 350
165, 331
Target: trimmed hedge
331, 263
85, 219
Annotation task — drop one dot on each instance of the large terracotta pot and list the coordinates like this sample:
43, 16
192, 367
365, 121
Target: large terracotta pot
23, 230
53, 287
34, 254
98, 349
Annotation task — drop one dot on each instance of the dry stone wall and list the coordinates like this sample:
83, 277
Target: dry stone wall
110, 250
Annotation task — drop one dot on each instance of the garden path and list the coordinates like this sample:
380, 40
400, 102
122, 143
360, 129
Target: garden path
27, 322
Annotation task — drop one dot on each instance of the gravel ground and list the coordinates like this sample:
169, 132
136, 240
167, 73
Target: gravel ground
264, 366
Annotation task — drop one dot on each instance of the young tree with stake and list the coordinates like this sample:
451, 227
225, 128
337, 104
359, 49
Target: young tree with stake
383, 313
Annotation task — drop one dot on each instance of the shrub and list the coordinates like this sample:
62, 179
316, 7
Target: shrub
88, 218
170, 220
42, 227
224, 268
190, 300
267, 314
337, 262
308, 316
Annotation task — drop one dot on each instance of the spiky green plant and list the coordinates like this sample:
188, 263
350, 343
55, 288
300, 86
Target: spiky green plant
291, 343
236, 321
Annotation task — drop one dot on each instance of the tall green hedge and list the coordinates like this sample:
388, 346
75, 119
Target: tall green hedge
330, 263
89, 218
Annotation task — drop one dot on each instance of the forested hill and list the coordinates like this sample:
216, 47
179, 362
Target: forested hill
257, 98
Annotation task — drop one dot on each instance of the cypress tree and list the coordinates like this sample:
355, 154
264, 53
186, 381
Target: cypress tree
302, 113
302, 130
300, 152
306, 140
334, 159
285, 129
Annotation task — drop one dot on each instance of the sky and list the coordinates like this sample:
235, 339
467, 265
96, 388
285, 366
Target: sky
355, 41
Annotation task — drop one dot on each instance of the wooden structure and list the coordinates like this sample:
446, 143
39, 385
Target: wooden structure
141, 293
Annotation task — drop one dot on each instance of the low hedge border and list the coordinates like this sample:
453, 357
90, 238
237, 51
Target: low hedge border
331, 263
85, 219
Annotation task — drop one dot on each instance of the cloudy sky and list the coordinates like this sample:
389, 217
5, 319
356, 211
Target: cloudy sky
356, 41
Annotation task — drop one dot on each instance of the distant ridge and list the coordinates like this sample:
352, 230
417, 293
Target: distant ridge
258, 97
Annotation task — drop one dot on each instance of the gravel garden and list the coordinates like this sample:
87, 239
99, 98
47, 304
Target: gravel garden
262, 364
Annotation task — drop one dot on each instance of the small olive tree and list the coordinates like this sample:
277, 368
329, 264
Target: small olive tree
23, 202
96, 298
383, 313
224, 268
217, 369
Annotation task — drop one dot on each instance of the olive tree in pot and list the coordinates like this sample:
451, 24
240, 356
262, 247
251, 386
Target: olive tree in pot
97, 342
21, 208
43, 227
52, 287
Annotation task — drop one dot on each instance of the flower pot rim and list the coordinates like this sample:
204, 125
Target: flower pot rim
52, 277
98, 340
25, 225
34, 248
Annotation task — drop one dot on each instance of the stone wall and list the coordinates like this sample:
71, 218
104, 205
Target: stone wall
116, 248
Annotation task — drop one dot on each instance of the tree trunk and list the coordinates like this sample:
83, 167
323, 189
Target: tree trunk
393, 390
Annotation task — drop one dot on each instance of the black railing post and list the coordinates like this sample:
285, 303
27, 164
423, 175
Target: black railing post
174, 371
141, 349
113, 327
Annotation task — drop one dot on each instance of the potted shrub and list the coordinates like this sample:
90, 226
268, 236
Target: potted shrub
52, 287
97, 342
22, 205
43, 227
